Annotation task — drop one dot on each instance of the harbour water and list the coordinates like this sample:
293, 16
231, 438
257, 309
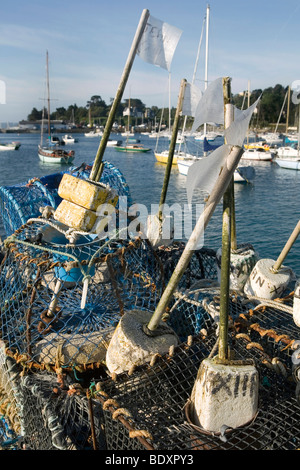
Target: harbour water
267, 211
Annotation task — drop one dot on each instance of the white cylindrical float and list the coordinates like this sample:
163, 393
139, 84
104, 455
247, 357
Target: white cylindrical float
242, 261
263, 282
131, 346
224, 395
296, 304
160, 232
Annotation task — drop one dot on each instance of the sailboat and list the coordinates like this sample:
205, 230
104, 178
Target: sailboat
242, 174
131, 147
179, 154
49, 153
10, 145
289, 157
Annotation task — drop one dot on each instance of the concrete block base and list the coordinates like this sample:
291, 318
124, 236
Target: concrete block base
296, 304
266, 284
130, 346
224, 395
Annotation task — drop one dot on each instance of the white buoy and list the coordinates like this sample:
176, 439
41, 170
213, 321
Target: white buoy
242, 261
224, 394
265, 283
296, 304
270, 278
130, 346
160, 232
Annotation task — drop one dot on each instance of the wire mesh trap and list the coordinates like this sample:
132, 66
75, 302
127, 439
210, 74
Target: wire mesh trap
61, 302
45, 327
148, 408
23, 201
59, 414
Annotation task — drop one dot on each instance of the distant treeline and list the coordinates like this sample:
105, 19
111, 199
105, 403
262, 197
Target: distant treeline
96, 111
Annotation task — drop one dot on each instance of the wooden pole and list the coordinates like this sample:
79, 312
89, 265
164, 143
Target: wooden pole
225, 277
172, 147
287, 248
214, 198
228, 203
228, 118
97, 169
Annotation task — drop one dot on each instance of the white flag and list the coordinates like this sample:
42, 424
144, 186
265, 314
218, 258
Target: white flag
192, 96
158, 43
211, 106
235, 134
295, 87
204, 173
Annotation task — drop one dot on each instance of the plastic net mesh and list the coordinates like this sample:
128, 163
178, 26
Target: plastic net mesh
23, 201
60, 305
154, 400
48, 333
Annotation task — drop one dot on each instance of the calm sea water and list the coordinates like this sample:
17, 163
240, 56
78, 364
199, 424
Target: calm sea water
266, 211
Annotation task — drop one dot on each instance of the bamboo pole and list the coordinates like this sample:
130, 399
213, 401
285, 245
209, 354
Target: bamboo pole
287, 248
214, 198
228, 223
228, 118
97, 169
172, 147
225, 277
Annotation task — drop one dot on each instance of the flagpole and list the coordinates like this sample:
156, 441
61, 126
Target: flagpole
172, 148
228, 210
206, 57
213, 200
97, 168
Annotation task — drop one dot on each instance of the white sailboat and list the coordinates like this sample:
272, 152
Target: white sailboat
243, 174
289, 157
128, 133
10, 145
179, 154
68, 139
258, 154
48, 153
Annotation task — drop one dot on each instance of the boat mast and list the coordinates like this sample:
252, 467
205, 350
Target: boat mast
277, 124
206, 56
48, 93
288, 111
194, 76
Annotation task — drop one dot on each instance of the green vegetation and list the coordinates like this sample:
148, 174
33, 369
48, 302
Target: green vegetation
96, 111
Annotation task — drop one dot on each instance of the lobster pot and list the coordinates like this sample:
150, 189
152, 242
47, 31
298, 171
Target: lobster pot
23, 201
59, 418
10, 401
20, 202
46, 317
197, 310
242, 262
142, 273
150, 408
202, 265
61, 302
8, 438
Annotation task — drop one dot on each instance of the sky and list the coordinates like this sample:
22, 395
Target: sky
254, 42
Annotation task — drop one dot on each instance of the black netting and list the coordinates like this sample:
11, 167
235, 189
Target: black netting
60, 304
57, 415
155, 397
